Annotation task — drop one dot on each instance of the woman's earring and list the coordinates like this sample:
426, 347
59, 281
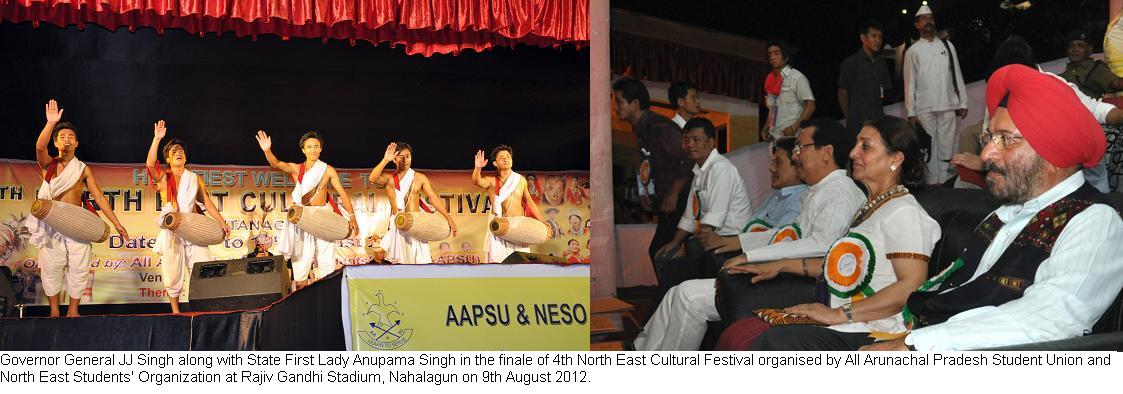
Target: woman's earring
893, 168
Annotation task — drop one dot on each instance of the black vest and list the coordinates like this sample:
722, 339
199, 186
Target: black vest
1011, 274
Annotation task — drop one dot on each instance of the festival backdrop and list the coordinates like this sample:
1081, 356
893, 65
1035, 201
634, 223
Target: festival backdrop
253, 201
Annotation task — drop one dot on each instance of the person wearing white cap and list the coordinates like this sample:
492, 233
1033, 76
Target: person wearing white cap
934, 92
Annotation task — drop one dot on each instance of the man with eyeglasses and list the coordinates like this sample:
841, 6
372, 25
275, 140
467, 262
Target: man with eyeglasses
1045, 265
826, 209
1015, 50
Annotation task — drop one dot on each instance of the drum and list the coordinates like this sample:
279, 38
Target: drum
71, 220
423, 226
194, 228
321, 222
521, 230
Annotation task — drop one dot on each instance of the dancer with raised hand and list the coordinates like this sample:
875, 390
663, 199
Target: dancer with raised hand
313, 177
405, 196
63, 259
509, 196
182, 191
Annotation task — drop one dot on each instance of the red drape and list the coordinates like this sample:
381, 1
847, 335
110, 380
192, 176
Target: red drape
664, 61
422, 26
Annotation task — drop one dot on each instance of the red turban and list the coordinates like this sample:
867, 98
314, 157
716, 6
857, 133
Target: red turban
1050, 116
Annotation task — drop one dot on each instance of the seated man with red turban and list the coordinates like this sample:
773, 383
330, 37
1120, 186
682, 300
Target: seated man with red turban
1045, 265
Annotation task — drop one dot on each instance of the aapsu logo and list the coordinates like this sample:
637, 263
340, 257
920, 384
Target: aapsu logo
385, 322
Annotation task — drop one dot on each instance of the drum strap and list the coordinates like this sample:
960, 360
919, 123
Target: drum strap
526, 207
331, 199
52, 171
398, 186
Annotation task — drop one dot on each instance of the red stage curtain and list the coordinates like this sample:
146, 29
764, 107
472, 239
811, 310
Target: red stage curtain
422, 26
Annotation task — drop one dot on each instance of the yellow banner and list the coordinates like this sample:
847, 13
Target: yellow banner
470, 313
253, 201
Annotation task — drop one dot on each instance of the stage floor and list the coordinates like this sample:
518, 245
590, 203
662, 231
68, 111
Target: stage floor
308, 319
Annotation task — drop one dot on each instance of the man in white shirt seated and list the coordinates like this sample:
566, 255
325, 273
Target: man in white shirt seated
1045, 265
826, 210
718, 202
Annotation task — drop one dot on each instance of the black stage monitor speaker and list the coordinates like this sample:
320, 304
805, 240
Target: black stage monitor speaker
524, 257
230, 285
7, 295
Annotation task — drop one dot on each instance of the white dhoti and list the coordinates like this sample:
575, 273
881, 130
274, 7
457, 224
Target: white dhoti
300, 247
308, 251
400, 247
497, 249
941, 127
61, 260
680, 321
177, 256
177, 263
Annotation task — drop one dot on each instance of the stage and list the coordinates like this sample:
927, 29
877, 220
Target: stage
307, 319
320, 316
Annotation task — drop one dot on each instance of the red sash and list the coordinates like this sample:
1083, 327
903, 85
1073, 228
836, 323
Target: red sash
52, 171
331, 199
526, 207
172, 188
398, 186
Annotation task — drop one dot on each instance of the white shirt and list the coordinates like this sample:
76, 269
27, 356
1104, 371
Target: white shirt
790, 104
899, 226
826, 210
725, 204
1071, 289
679, 120
927, 81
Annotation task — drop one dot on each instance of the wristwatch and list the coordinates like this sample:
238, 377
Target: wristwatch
848, 312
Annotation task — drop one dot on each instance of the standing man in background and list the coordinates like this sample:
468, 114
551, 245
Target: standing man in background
934, 92
863, 79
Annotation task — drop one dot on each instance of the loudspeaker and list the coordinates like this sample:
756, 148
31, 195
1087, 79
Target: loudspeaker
230, 285
7, 295
524, 257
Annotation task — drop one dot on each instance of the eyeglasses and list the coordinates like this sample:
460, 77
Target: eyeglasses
799, 148
1000, 141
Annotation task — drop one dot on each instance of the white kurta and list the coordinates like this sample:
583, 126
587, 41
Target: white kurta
900, 226
930, 95
679, 323
826, 210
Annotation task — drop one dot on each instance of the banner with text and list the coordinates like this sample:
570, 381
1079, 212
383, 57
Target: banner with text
467, 307
253, 201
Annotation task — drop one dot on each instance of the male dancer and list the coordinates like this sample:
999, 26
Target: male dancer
509, 197
312, 180
63, 177
405, 194
181, 190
